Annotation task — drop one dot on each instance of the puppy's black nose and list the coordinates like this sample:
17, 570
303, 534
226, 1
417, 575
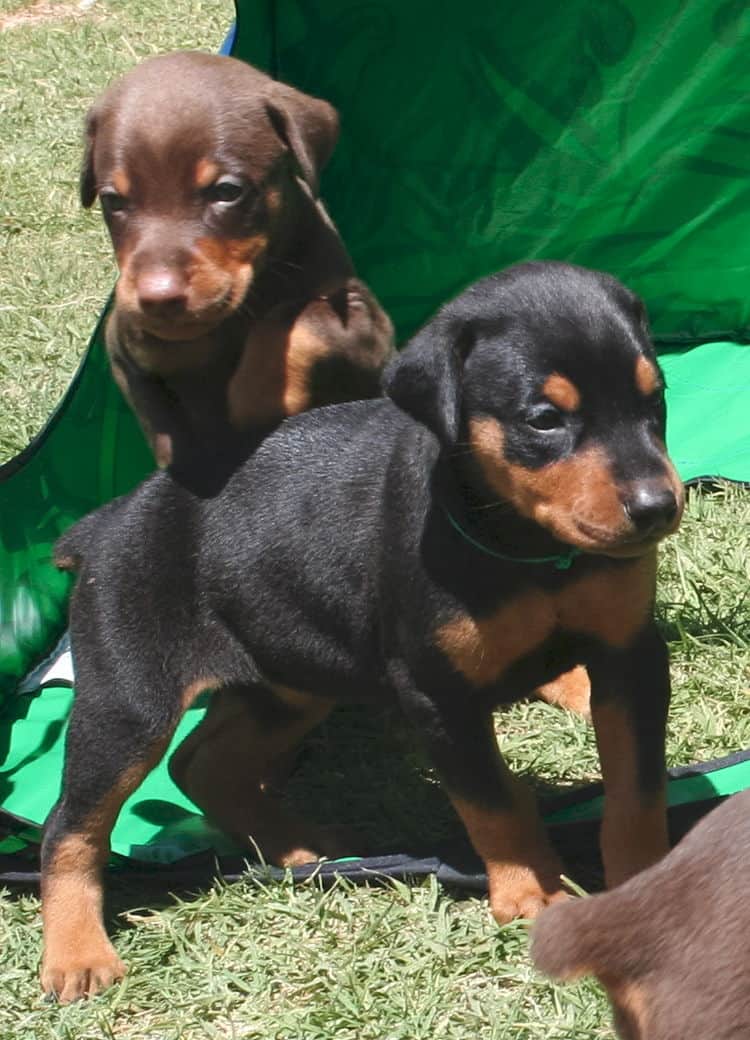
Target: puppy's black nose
651, 508
161, 291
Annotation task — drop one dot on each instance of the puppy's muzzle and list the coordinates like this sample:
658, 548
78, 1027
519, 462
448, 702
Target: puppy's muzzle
161, 293
651, 509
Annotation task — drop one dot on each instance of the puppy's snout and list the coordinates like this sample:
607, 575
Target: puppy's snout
651, 508
161, 291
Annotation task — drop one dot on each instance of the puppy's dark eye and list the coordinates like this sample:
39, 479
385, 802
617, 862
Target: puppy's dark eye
226, 191
112, 202
545, 417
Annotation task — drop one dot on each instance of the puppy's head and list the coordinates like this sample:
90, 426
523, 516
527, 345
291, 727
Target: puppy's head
200, 163
546, 375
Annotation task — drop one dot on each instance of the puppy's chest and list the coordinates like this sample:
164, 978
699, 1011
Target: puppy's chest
608, 606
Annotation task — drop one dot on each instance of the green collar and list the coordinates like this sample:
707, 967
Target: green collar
562, 562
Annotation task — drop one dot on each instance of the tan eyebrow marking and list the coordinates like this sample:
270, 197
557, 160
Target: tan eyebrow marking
121, 182
646, 376
562, 393
206, 173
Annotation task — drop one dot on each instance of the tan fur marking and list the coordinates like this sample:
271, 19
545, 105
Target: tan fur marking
225, 765
223, 270
482, 649
272, 378
523, 870
193, 690
273, 201
646, 376
576, 499
562, 393
206, 172
612, 605
305, 348
79, 959
634, 832
121, 182
571, 691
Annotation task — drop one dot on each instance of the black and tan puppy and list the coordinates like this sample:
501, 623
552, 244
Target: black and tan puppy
488, 526
671, 945
237, 303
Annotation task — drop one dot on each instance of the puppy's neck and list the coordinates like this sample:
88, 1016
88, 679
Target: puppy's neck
486, 518
309, 261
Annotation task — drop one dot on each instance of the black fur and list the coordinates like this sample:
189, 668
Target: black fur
331, 558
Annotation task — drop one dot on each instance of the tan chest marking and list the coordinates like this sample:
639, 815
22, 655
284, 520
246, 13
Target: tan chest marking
611, 606
482, 649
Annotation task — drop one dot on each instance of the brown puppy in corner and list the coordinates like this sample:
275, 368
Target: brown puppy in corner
671, 945
237, 303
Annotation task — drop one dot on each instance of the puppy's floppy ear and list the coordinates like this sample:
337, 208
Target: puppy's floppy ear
307, 125
426, 379
88, 176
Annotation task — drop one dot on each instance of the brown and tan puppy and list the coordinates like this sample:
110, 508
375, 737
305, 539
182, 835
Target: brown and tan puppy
671, 945
237, 303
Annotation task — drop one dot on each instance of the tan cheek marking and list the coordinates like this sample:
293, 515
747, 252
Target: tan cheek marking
556, 495
206, 173
646, 376
562, 393
612, 605
483, 649
121, 182
230, 253
223, 261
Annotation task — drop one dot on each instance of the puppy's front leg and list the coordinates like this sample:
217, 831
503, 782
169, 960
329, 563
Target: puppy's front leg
159, 414
629, 701
497, 809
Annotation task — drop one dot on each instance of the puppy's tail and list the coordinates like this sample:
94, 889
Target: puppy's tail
593, 936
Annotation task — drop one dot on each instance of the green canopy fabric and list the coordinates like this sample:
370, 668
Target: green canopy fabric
613, 134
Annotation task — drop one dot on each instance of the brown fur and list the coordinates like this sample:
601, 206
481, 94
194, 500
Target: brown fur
216, 296
670, 945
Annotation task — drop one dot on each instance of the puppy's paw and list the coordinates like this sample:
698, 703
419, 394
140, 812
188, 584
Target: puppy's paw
84, 972
517, 892
330, 842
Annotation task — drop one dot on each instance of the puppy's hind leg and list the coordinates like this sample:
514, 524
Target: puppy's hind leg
111, 745
227, 765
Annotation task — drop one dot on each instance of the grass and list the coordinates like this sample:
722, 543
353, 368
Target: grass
263, 959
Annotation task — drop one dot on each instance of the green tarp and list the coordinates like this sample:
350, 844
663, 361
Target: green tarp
613, 134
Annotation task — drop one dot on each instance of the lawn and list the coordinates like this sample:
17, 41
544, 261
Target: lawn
261, 958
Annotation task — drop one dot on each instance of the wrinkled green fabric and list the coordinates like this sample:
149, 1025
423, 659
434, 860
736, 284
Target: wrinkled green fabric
611, 133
